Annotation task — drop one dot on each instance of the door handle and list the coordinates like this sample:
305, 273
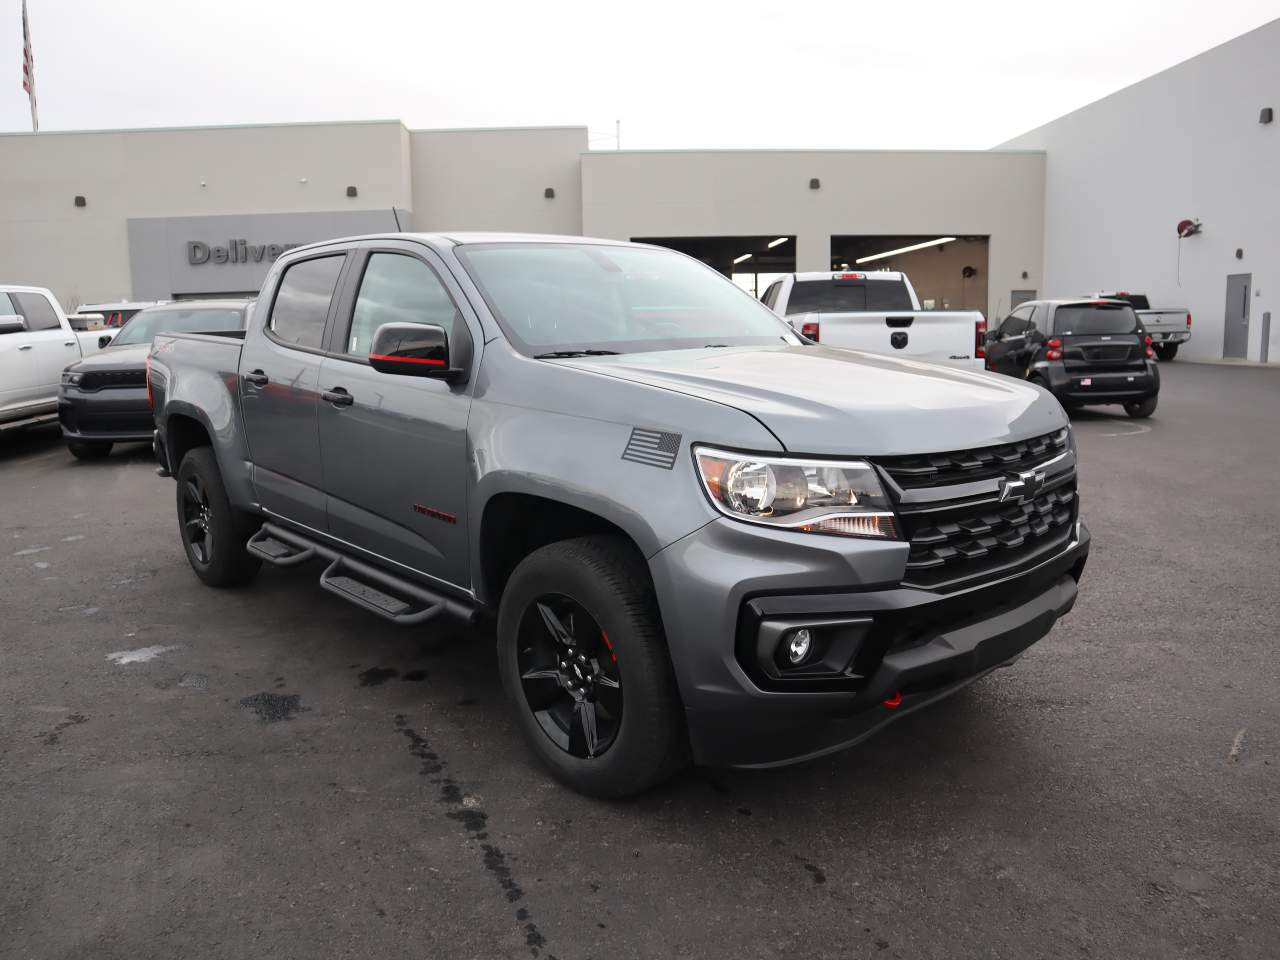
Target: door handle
68, 343
25, 346
257, 378
338, 397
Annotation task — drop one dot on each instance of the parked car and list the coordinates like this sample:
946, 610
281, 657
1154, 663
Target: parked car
103, 398
877, 311
118, 313
1081, 351
702, 536
1169, 327
36, 342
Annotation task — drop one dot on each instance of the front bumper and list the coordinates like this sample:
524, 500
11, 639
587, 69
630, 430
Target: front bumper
918, 647
117, 414
1079, 386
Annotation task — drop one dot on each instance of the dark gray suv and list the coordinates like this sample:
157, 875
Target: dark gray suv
702, 537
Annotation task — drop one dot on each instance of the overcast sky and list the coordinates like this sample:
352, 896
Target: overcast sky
686, 74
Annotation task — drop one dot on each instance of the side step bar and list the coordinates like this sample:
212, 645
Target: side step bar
390, 597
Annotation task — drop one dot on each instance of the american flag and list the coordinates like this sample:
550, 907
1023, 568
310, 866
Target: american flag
28, 67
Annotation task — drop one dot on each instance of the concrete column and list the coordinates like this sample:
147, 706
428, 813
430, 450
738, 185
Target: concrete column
813, 252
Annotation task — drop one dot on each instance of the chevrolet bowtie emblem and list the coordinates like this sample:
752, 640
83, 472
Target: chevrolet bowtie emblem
1021, 488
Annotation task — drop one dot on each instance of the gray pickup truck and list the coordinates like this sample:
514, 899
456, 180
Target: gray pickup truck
703, 537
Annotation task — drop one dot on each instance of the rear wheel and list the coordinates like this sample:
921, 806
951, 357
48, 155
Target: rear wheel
89, 449
1166, 351
1141, 409
585, 665
213, 533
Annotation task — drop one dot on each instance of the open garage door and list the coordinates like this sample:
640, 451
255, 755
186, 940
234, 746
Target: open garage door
948, 272
751, 262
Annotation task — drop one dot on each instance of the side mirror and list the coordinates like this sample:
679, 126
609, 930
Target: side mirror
412, 350
104, 340
991, 336
12, 323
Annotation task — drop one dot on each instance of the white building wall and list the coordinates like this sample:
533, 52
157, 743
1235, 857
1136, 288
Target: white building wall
82, 253
1183, 144
496, 179
629, 194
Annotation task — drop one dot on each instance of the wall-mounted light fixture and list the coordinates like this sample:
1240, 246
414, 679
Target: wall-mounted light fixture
549, 193
352, 191
814, 183
79, 200
1265, 115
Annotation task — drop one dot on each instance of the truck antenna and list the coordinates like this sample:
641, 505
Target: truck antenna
395, 213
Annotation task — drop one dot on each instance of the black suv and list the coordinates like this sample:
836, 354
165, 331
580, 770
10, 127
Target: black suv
1081, 351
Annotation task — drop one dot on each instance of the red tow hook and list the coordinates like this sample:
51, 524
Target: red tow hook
895, 701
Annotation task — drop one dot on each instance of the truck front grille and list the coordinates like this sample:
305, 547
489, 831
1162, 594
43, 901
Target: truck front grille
964, 466
103, 379
955, 543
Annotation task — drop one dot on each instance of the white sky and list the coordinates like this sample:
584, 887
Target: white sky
902, 73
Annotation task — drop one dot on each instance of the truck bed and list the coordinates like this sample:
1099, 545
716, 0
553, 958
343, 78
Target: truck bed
193, 363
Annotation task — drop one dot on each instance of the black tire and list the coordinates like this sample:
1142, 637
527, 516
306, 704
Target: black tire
1141, 409
608, 581
213, 533
89, 449
1166, 351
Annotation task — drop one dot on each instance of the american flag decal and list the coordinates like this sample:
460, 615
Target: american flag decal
652, 447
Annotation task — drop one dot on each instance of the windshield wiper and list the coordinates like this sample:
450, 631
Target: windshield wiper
561, 354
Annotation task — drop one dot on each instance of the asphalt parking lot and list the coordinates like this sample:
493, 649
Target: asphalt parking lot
287, 776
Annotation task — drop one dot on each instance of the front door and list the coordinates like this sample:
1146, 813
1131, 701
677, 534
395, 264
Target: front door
1004, 353
394, 448
1235, 326
279, 386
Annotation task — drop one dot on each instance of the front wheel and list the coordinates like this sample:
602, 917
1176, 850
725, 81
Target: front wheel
585, 665
213, 533
1166, 351
1141, 409
89, 449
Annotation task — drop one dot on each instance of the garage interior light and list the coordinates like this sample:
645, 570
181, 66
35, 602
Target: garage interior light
914, 246
745, 256
778, 242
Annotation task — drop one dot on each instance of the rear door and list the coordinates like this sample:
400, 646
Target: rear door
46, 347
279, 389
394, 448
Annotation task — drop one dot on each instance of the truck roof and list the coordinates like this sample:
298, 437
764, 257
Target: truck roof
861, 274
460, 238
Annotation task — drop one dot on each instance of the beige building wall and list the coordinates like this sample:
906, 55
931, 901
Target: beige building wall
729, 193
82, 253
937, 274
496, 179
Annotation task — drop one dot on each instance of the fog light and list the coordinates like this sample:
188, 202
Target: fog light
798, 646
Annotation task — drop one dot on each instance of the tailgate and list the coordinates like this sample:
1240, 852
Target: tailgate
1164, 321
939, 335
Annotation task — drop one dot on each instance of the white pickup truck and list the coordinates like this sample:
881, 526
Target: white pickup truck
1167, 326
879, 312
36, 344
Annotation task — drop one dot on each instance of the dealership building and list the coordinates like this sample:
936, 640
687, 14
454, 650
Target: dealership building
1089, 202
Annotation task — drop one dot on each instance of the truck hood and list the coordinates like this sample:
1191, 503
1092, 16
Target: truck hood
824, 400
129, 357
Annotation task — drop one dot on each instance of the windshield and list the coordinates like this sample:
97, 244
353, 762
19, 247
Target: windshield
568, 297
1091, 318
847, 296
147, 323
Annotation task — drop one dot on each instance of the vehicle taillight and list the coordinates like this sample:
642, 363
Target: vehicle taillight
810, 330
1188, 321
980, 339
150, 399
1147, 339
1055, 349
850, 276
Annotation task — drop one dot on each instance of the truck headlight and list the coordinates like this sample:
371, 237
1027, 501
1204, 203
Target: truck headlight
70, 379
840, 497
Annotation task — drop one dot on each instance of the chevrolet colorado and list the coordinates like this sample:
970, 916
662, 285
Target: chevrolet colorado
703, 537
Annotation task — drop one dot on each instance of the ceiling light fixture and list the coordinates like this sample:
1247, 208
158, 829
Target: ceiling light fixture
778, 242
914, 246
745, 256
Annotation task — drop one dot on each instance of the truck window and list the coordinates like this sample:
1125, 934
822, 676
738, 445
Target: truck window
397, 288
302, 302
842, 296
36, 309
1138, 301
771, 295
1092, 319
8, 308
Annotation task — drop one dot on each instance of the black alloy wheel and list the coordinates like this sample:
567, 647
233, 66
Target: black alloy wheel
197, 518
569, 676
